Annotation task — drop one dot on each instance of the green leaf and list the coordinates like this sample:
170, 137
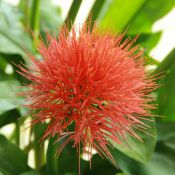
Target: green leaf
100, 166
148, 41
138, 16
8, 98
95, 11
148, 13
118, 13
13, 38
69, 157
162, 162
166, 63
2, 172
3, 65
30, 173
14, 60
56, 165
9, 117
62, 160
12, 159
166, 96
140, 151
72, 13
166, 131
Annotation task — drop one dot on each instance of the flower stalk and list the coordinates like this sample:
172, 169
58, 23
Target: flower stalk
17, 133
52, 162
35, 19
39, 148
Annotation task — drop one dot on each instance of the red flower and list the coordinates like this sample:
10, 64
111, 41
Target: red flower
94, 82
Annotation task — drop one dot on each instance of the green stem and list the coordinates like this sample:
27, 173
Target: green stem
39, 149
17, 133
28, 147
26, 12
52, 162
166, 63
35, 17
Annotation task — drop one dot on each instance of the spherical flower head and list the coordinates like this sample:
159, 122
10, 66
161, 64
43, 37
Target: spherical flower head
92, 87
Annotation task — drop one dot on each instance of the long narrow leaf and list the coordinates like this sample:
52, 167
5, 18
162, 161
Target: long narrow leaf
72, 13
95, 11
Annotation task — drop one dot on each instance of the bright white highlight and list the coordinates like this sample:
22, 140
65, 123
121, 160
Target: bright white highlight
88, 153
13, 2
167, 41
9, 69
7, 130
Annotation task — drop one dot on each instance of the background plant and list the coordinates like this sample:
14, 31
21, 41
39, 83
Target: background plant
156, 156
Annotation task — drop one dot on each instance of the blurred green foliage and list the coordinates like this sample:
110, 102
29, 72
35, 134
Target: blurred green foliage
154, 156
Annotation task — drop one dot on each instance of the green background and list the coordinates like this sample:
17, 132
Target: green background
155, 156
